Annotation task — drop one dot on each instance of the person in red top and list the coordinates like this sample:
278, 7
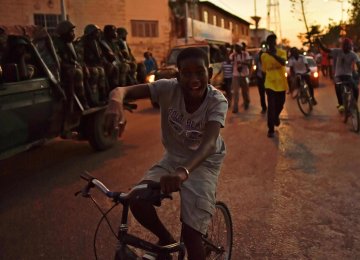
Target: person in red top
325, 63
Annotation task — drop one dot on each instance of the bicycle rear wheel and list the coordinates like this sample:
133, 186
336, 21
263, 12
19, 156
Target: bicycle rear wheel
219, 239
347, 108
355, 120
304, 101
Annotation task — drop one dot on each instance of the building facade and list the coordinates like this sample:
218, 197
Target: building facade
154, 25
259, 35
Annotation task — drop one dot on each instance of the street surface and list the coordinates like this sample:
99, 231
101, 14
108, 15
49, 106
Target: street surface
296, 196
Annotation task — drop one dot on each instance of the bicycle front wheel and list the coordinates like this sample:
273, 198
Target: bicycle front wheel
304, 101
355, 120
219, 239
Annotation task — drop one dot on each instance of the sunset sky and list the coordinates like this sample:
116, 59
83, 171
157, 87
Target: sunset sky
318, 12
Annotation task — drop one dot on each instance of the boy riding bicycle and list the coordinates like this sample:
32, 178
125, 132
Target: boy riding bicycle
192, 113
344, 60
299, 65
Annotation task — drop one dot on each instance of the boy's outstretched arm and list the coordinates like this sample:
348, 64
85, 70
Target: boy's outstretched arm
115, 111
322, 46
171, 183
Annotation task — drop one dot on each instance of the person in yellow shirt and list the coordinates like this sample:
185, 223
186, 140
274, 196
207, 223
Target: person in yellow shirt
273, 64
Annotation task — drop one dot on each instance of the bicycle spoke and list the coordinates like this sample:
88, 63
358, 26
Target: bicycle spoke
304, 101
218, 242
355, 118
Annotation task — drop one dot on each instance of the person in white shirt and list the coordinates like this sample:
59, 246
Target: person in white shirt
240, 60
299, 65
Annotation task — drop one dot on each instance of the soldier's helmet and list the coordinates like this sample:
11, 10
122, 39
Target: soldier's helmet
14, 40
64, 27
91, 28
121, 31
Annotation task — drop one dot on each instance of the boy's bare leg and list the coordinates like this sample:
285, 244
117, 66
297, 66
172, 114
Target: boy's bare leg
145, 213
193, 243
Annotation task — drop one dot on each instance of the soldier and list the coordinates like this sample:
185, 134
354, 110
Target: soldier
3, 43
114, 56
126, 51
94, 62
17, 54
71, 71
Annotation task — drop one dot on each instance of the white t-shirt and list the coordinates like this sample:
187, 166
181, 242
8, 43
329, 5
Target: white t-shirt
243, 56
182, 131
299, 65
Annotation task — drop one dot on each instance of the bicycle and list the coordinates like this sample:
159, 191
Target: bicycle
350, 105
217, 242
304, 99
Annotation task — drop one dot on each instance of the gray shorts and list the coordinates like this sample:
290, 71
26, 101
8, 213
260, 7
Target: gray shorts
197, 193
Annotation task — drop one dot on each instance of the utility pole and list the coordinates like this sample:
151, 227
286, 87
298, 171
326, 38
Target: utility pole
256, 20
273, 17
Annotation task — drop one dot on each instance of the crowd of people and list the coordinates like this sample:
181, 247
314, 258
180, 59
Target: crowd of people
274, 82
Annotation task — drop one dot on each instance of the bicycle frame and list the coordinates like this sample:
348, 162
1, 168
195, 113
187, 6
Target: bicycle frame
126, 239
303, 97
347, 91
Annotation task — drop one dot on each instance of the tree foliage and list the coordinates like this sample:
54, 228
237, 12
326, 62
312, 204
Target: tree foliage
308, 37
353, 27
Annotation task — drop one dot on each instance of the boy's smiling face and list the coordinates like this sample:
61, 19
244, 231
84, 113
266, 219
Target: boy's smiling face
193, 77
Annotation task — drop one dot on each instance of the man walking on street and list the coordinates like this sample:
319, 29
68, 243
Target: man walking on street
273, 64
260, 78
240, 60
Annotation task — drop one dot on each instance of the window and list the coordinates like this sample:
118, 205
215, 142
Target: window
214, 20
48, 21
230, 26
242, 30
236, 29
142, 28
222, 23
206, 17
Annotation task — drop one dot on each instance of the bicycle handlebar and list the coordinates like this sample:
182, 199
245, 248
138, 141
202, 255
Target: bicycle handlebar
116, 196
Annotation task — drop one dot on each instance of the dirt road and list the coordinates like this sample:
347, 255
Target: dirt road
293, 197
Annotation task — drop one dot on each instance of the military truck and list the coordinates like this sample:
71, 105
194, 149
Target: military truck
34, 108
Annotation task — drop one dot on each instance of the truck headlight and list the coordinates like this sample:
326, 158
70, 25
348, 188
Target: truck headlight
150, 78
316, 74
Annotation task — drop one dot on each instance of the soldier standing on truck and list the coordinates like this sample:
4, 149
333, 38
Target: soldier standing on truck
126, 52
113, 54
94, 61
17, 55
3, 43
71, 71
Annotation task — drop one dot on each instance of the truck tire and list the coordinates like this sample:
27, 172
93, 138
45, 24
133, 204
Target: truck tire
95, 132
